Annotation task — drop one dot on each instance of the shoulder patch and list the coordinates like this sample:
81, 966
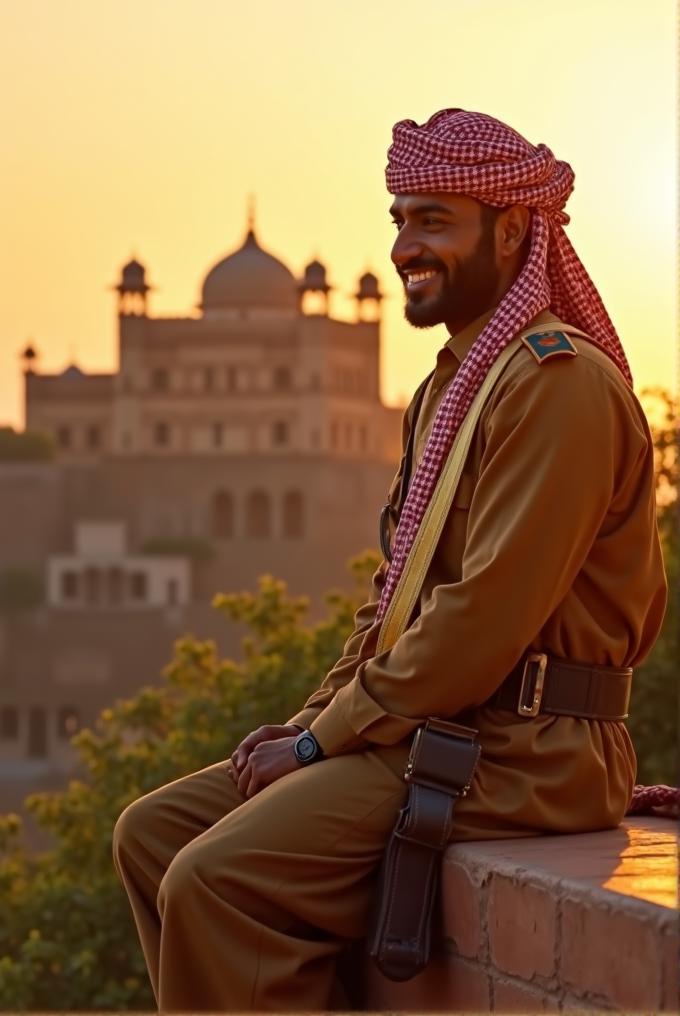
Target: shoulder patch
543, 345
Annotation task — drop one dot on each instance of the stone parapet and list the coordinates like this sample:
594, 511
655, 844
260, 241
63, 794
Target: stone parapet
552, 924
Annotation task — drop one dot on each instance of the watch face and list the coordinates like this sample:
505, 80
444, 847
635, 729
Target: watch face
305, 748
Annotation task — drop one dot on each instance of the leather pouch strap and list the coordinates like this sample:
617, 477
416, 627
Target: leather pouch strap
439, 771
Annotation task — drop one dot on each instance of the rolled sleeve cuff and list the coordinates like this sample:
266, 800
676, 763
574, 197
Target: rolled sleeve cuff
305, 717
353, 719
334, 733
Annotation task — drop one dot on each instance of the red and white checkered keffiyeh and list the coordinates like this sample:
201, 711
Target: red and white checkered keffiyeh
473, 154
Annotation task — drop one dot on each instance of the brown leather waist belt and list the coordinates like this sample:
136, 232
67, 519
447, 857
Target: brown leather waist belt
547, 684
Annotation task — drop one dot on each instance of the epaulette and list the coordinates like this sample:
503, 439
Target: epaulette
543, 345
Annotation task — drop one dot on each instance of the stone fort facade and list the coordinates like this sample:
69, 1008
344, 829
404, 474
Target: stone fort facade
247, 439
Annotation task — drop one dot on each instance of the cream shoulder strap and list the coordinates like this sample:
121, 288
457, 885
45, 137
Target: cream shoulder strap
412, 578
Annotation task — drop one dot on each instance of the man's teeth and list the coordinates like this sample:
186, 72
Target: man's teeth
420, 276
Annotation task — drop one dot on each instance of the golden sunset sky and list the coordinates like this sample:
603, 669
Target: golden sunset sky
141, 126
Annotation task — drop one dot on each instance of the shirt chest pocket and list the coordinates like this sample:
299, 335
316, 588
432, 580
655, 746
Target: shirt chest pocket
448, 560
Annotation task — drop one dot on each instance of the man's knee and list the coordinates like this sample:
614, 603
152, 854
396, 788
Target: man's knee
130, 829
180, 880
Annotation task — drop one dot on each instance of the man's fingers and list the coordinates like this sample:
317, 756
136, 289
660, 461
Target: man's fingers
244, 780
242, 753
240, 757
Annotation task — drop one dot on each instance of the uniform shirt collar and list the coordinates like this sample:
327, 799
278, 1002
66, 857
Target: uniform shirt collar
461, 343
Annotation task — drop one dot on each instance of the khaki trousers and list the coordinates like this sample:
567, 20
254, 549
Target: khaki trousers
243, 905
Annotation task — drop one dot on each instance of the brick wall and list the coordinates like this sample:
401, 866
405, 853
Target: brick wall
554, 924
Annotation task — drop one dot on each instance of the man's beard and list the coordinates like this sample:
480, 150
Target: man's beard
466, 293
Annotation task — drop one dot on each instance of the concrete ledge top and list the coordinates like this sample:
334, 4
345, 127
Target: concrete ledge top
638, 860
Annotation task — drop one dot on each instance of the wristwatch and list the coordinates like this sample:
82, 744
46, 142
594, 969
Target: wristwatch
307, 749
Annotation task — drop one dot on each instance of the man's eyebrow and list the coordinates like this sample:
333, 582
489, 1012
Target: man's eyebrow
424, 209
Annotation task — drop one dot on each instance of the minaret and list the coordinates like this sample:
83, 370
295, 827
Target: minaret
132, 290
368, 298
132, 322
314, 290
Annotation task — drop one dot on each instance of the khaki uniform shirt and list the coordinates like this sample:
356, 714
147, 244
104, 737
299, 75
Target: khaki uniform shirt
551, 544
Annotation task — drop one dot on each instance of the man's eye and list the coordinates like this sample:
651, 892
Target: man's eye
397, 223
431, 222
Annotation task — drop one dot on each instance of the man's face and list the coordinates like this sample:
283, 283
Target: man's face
445, 255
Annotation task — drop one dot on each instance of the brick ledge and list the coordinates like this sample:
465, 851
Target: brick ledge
552, 924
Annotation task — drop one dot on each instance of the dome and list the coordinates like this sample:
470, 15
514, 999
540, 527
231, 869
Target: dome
250, 278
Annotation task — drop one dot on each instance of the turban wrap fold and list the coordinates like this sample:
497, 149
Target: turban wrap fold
470, 153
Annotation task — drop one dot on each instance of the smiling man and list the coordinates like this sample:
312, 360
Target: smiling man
456, 278
246, 879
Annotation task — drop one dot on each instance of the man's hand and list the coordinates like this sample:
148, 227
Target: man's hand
267, 762
263, 736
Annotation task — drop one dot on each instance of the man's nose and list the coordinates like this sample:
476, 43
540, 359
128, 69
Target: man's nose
406, 247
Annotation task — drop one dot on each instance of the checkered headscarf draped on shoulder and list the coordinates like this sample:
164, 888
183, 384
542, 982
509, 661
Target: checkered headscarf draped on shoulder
473, 154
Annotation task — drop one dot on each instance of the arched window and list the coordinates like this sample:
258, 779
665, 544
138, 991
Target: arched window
69, 585
280, 432
93, 437
64, 437
37, 733
138, 585
223, 515
258, 514
159, 380
282, 379
293, 514
161, 434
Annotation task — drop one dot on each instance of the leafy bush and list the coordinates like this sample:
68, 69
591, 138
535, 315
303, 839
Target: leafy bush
67, 938
25, 446
20, 589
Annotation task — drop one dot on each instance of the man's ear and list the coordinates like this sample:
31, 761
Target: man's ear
513, 225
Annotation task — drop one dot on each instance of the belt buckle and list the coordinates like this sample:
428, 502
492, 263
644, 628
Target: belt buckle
530, 702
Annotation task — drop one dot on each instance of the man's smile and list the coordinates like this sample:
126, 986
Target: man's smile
416, 280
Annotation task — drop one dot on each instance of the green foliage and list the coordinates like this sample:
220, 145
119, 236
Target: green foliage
67, 939
20, 589
194, 547
25, 446
653, 720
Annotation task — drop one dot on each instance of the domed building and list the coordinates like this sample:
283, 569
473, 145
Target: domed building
254, 423
245, 438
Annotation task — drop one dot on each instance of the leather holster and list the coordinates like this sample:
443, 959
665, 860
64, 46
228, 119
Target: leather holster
438, 771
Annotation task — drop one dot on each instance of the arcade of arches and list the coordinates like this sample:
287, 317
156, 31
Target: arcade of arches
258, 515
